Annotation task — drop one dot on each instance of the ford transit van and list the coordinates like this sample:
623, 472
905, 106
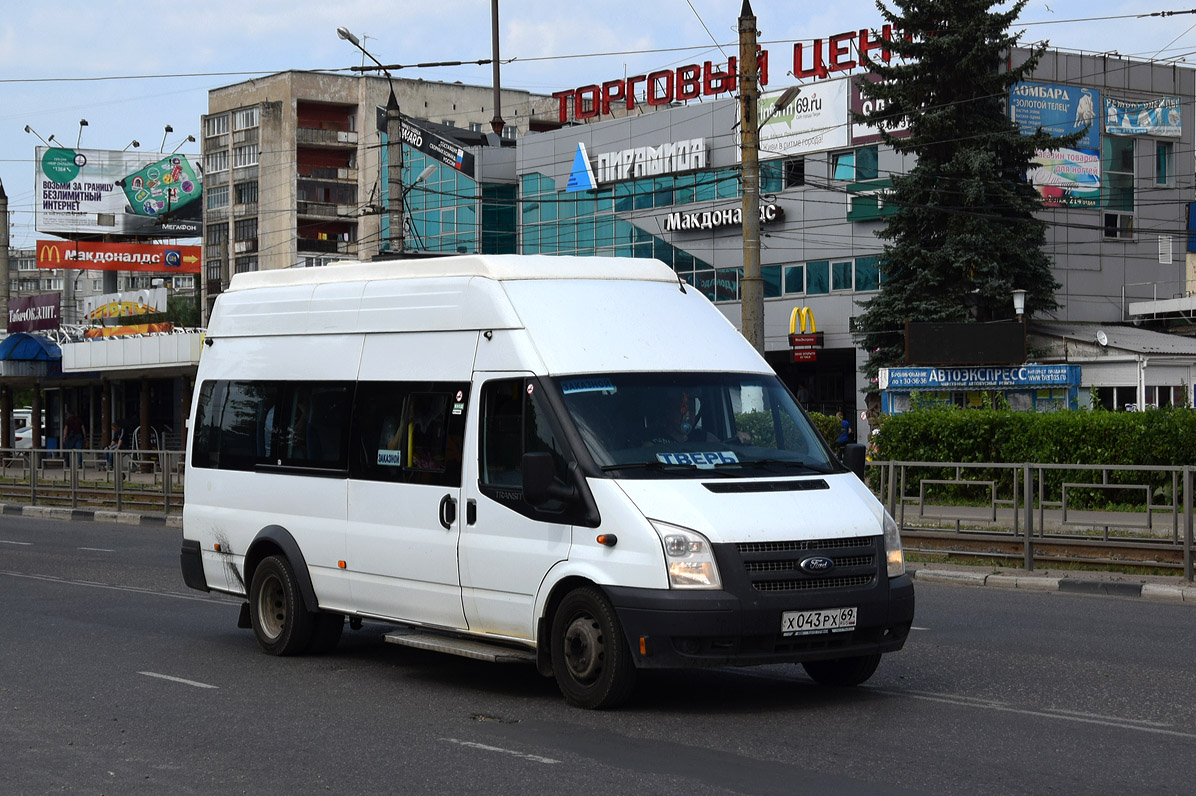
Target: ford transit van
576, 462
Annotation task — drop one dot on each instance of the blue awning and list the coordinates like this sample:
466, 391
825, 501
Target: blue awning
25, 347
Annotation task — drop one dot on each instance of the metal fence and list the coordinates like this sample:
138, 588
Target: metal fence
1142, 510
148, 481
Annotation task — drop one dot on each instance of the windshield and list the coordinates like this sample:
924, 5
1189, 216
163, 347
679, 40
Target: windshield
645, 424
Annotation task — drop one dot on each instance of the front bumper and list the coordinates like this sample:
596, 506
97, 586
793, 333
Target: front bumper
741, 625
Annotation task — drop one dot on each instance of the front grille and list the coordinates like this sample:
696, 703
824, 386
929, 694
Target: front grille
771, 566
820, 583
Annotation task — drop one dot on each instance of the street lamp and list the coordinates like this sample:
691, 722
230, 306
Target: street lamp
29, 129
167, 131
134, 143
188, 140
1019, 303
79, 140
394, 149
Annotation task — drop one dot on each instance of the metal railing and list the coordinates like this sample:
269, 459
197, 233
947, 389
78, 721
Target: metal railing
1139, 508
149, 481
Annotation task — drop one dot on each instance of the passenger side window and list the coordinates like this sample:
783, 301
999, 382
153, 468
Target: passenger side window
410, 432
241, 425
515, 421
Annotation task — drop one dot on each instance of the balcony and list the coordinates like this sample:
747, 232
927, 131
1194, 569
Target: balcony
339, 175
310, 136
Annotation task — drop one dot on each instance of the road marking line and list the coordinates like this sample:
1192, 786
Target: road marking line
22, 544
1144, 722
97, 549
485, 748
218, 599
919, 628
1123, 724
177, 680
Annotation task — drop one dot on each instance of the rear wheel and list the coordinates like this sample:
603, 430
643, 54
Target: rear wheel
281, 623
842, 672
590, 658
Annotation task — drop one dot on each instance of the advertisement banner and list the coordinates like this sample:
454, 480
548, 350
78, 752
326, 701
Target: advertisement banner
1161, 117
105, 192
97, 256
816, 120
446, 152
148, 301
979, 377
1066, 177
866, 133
1057, 109
34, 313
100, 333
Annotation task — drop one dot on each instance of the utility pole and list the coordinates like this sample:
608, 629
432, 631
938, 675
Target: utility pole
496, 123
751, 289
4, 290
394, 150
394, 175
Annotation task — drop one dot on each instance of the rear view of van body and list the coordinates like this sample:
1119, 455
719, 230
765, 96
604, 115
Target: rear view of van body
572, 461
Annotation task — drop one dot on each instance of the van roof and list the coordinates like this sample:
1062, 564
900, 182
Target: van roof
499, 267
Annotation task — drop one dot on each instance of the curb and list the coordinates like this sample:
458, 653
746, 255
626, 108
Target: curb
95, 515
1147, 591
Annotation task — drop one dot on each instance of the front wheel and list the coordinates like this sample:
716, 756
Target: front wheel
281, 622
842, 672
590, 658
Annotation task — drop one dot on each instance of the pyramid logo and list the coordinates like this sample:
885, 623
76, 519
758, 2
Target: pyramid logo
582, 177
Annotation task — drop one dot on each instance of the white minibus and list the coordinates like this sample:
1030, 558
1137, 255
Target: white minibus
576, 462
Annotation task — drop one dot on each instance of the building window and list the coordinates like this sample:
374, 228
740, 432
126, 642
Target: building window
215, 161
217, 197
215, 270
475, 127
246, 192
795, 172
245, 155
854, 166
216, 125
1119, 226
1117, 184
795, 279
245, 229
244, 264
216, 235
841, 276
867, 273
509, 132
818, 277
1163, 171
245, 118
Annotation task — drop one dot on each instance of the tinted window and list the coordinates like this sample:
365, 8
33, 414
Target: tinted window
410, 432
516, 421
241, 425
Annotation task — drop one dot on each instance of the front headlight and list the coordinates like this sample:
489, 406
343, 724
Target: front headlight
893, 552
689, 558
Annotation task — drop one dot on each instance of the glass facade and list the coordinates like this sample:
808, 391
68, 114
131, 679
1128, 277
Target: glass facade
444, 209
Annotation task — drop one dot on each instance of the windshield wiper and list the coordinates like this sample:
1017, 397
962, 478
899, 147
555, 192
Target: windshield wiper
663, 467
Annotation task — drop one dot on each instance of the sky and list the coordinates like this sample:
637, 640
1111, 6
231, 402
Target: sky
130, 69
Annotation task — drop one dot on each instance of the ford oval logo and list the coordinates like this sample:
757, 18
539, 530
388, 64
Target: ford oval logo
817, 565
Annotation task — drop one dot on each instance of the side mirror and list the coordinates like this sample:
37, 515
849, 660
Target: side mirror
538, 473
853, 458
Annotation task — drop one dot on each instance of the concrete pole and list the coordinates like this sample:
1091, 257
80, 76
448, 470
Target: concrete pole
394, 172
751, 289
496, 123
4, 276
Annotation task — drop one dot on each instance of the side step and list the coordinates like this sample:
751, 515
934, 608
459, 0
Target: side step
465, 647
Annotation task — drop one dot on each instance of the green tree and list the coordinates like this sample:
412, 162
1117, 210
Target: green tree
964, 233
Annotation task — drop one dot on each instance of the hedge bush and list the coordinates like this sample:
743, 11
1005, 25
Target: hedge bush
1158, 437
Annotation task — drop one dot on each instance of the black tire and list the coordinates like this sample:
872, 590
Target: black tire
842, 672
327, 632
590, 657
281, 623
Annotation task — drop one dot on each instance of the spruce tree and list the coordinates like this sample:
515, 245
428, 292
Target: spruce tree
964, 234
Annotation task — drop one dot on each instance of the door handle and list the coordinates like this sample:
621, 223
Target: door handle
448, 511
471, 511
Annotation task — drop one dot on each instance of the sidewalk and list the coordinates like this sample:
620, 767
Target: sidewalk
96, 515
1117, 584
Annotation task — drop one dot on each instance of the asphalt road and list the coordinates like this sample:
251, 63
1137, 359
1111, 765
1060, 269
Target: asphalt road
116, 679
